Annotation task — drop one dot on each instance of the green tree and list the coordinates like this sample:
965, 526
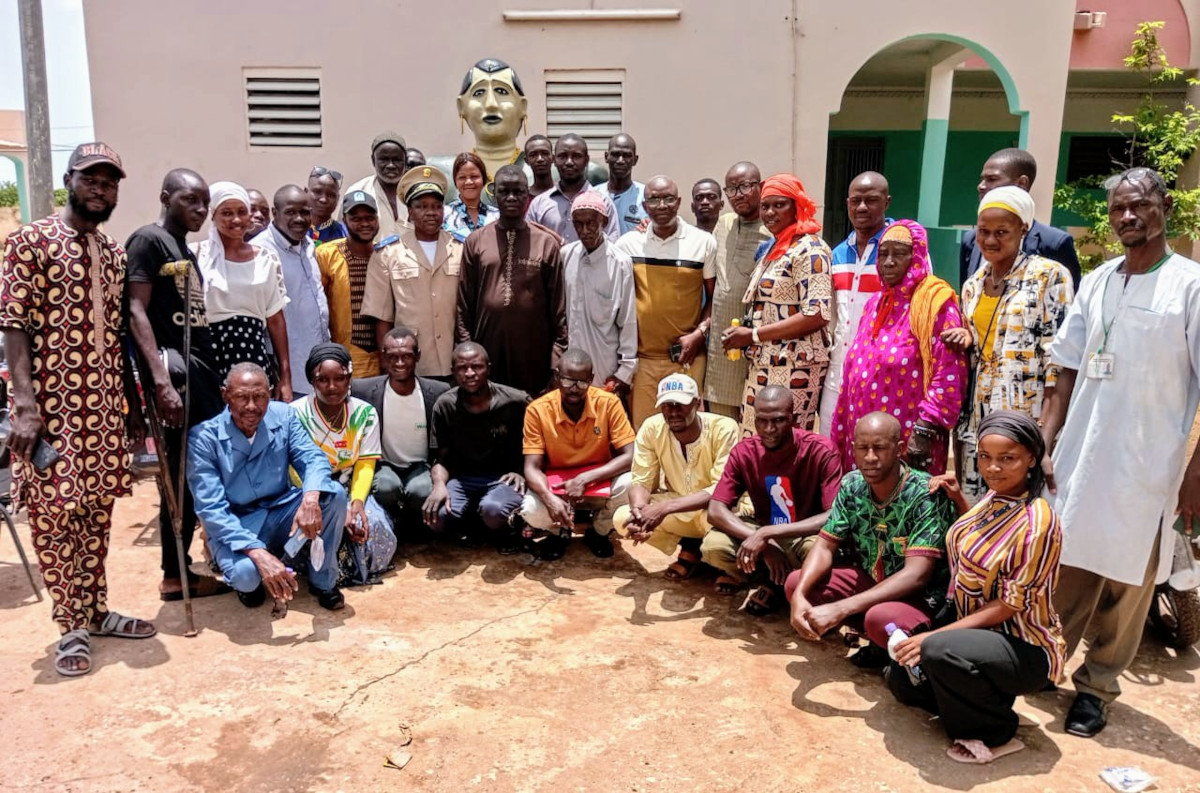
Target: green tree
1156, 137
9, 197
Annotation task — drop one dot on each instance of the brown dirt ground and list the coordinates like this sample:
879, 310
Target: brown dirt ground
512, 675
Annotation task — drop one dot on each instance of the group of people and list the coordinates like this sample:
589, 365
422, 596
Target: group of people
541, 357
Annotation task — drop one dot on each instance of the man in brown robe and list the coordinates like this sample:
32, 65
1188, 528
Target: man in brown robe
511, 297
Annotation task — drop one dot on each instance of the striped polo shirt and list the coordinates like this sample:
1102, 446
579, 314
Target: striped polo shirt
669, 277
854, 281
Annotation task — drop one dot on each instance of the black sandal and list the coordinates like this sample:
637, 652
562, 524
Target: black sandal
762, 601
685, 566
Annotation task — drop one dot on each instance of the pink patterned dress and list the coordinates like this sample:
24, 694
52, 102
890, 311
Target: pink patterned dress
884, 370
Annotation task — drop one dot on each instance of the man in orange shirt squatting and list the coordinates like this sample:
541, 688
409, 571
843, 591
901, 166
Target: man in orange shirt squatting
578, 450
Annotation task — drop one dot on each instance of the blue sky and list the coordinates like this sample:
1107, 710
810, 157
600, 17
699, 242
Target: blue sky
67, 68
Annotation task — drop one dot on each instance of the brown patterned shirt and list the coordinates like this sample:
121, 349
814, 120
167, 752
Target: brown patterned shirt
64, 289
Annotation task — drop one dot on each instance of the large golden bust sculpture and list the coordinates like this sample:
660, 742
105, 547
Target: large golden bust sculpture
492, 104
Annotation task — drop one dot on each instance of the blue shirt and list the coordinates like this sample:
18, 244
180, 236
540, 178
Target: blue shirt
846, 251
307, 310
235, 482
552, 209
630, 212
456, 221
329, 231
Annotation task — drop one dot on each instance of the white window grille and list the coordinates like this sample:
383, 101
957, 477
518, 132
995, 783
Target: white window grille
283, 107
586, 103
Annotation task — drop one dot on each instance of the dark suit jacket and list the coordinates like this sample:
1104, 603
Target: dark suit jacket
371, 389
1043, 240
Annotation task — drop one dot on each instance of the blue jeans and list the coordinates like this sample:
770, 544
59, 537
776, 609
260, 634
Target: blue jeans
493, 501
240, 570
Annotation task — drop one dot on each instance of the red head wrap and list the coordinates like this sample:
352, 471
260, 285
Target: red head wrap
788, 186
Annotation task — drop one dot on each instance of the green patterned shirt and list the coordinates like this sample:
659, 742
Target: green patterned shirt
914, 523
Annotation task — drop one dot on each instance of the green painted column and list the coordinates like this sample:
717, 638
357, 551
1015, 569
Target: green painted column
935, 133
22, 190
939, 91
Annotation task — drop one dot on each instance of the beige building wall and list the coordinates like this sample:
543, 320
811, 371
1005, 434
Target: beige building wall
836, 38
726, 81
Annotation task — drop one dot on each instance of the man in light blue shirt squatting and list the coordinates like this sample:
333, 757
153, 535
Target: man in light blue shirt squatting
307, 310
237, 470
620, 188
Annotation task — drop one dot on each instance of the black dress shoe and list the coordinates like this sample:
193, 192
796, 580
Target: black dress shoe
870, 657
331, 599
1088, 715
254, 598
510, 543
599, 544
552, 548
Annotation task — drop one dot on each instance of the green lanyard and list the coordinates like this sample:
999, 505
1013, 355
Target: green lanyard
1108, 326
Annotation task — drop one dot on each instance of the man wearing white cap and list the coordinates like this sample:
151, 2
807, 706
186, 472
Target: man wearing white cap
678, 458
601, 303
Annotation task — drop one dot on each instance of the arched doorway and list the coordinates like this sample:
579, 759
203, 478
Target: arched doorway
926, 111
17, 158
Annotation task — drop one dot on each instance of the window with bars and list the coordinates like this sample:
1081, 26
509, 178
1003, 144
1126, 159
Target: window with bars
283, 107
586, 103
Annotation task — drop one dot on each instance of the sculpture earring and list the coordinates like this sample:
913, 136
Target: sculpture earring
525, 126
460, 125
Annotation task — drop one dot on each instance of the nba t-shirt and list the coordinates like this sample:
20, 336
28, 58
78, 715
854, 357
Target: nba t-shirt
796, 481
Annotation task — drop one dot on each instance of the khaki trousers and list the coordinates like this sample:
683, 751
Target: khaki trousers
645, 383
681, 525
719, 550
1112, 614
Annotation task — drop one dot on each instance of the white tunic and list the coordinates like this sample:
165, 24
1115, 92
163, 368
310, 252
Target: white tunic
1119, 460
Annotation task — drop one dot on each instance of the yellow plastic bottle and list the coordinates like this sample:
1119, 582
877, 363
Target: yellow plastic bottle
735, 354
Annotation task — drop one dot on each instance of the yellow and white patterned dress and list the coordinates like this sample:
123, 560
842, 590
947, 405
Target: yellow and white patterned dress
1014, 372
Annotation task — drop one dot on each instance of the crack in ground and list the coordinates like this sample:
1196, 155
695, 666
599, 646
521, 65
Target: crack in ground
57, 783
419, 659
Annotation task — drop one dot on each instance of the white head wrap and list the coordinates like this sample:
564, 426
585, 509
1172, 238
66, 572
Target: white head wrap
1012, 198
210, 255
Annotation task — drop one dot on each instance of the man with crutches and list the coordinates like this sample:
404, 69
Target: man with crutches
174, 352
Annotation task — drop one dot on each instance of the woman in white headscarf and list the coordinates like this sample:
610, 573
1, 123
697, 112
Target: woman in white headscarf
1013, 306
244, 293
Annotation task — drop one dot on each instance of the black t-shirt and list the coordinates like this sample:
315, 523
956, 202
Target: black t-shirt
157, 257
481, 444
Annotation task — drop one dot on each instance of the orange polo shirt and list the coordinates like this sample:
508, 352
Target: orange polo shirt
587, 442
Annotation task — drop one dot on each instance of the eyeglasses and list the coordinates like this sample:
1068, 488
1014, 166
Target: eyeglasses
1137, 175
662, 201
321, 170
571, 382
745, 188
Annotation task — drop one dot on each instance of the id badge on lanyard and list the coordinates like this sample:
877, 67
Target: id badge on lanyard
1102, 364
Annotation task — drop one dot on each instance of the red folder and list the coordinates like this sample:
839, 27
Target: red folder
599, 489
